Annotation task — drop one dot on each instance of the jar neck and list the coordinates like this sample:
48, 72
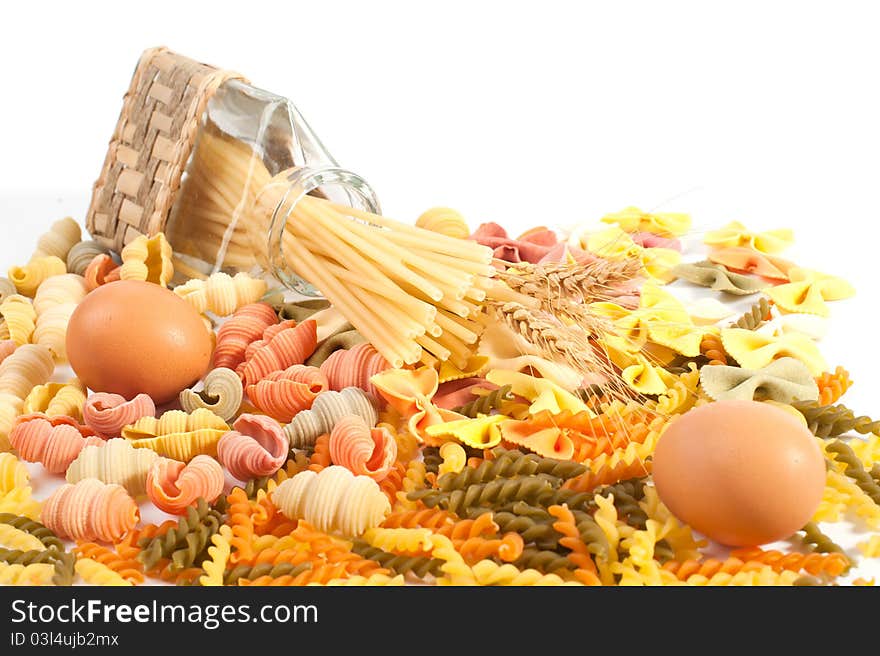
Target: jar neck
332, 183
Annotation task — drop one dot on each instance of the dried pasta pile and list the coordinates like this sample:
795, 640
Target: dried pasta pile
524, 460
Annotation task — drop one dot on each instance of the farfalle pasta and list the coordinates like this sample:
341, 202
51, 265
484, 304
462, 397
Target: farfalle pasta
114, 461
746, 260
148, 259
90, 510
362, 449
410, 393
327, 409
664, 224
256, 446
736, 234
354, 367
107, 414
222, 294
785, 380
718, 278
53, 441
615, 244
29, 277
807, 292
283, 394
173, 486
753, 350
222, 393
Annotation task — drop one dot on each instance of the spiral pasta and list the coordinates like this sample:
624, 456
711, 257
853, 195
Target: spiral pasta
222, 294
454, 458
174, 486
107, 414
832, 386
333, 500
833, 564
129, 569
57, 399
354, 367
286, 347
13, 538
832, 420
361, 449
55, 442
94, 572
90, 510
114, 461
29, 277
36, 574
256, 446
327, 409
19, 317
13, 473
484, 404
222, 394
148, 259
283, 394
81, 254
712, 348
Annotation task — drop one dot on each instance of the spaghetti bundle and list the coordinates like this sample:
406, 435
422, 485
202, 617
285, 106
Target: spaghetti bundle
413, 293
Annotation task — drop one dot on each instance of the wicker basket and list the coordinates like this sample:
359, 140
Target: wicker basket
151, 146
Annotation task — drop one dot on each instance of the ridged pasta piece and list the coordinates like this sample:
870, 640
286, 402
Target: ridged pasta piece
181, 542
81, 254
214, 565
454, 459
14, 538
320, 457
60, 290
19, 317
59, 239
148, 259
333, 500
90, 510
7, 347
832, 420
129, 569
361, 449
833, 564
712, 348
286, 347
57, 399
173, 421
488, 572
242, 329
51, 330
832, 386
29, 277
222, 394
283, 394
173, 486
256, 446
100, 271
372, 580
114, 461
53, 441
97, 573
445, 221
6, 288
354, 367
183, 446
13, 473
20, 501
222, 294
107, 414
327, 409
36, 574
579, 553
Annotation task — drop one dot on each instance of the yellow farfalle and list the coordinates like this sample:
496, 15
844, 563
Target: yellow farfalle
736, 234
148, 259
476, 366
28, 278
808, 290
754, 350
174, 421
19, 317
221, 293
57, 399
615, 244
544, 394
480, 433
665, 224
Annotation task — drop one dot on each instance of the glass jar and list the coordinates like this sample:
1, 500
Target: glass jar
254, 159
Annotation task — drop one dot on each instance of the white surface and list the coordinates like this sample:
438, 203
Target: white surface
764, 112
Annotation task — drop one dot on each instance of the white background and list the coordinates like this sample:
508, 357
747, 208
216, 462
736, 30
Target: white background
522, 113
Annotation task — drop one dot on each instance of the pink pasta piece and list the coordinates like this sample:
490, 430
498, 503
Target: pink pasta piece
650, 240
456, 393
241, 330
282, 394
55, 442
174, 486
529, 247
354, 367
362, 450
746, 260
255, 447
90, 510
563, 252
266, 337
7, 346
101, 270
286, 347
106, 414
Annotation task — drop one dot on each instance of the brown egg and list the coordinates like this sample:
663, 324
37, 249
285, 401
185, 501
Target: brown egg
129, 337
740, 472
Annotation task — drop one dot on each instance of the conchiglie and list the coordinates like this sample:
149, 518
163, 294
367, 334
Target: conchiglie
282, 394
289, 347
54, 442
113, 461
255, 447
107, 414
81, 254
29, 277
7, 347
222, 294
57, 399
19, 317
354, 367
174, 486
329, 408
148, 259
222, 394
90, 510
30, 365
60, 238
101, 270
60, 290
174, 421
361, 449
245, 327
445, 221
51, 329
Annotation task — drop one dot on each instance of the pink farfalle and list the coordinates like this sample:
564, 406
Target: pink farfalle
106, 414
650, 240
175, 486
240, 331
354, 367
286, 347
101, 270
7, 346
540, 434
90, 510
255, 447
282, 394
563, 252
410, 393
529, 247
53, 441
361, 449
456, 393
746, 260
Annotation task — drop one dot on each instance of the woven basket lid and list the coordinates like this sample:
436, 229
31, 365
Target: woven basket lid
151, 146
